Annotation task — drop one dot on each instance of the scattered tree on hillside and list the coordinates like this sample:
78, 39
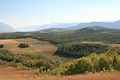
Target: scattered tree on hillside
1, 45
23, 45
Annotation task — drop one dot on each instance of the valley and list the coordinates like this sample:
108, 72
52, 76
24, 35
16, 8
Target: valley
91, 53
59, 39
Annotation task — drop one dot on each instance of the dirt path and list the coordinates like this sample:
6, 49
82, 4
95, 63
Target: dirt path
10, 73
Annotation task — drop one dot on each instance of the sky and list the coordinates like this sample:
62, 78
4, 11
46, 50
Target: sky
37, 12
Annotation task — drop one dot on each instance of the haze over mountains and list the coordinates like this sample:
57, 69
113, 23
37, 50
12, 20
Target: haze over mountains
46, 26
71, 26
59, 26
6, 28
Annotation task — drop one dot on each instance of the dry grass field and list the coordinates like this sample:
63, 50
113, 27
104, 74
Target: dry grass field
36, 46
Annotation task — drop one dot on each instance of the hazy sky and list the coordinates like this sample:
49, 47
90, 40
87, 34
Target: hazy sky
36, 12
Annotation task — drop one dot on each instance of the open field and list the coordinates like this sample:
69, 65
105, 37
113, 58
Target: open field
36, 46
10, 73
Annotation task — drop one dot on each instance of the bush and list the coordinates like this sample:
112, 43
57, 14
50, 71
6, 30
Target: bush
116, 62
93, 63
1, 45
81, 66
104, 63
6, 55
23, 45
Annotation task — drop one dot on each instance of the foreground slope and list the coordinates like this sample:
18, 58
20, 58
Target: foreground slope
96, 76
10, 73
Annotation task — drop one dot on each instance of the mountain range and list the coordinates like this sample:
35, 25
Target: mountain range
58, 26
115, 25
71, 26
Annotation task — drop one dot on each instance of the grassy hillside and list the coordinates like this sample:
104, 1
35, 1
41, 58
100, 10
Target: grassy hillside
39, 54
100, 34
86, 34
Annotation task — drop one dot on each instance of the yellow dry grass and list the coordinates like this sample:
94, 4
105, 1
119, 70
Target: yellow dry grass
36, 46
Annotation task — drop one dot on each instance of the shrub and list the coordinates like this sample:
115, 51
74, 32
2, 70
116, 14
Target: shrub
104, 63
116, 62
81, 66
23, 45
1, 45
6, 55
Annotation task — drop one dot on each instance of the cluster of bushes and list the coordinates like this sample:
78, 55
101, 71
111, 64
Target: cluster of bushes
5, 55
44, 63
93, 63
79, 50
54, 65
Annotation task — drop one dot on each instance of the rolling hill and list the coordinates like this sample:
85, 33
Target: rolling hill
72, 26
54, 30
93, 33
114, 25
